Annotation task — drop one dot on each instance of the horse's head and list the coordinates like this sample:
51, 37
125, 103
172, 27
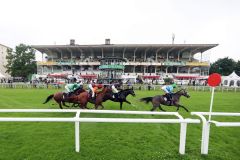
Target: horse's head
131, 91
106, 89
184, 93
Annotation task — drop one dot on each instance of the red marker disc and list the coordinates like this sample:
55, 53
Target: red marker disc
214, 79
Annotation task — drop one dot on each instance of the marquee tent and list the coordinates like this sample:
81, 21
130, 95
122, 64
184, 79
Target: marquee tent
232, 80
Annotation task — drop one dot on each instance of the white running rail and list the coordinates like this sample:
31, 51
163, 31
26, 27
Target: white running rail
206, 126
179, 119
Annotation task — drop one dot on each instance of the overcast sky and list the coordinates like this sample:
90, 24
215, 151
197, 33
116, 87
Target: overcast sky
124, 21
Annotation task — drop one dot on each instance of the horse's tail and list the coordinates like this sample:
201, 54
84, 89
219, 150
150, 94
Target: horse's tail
146, 100
48, 98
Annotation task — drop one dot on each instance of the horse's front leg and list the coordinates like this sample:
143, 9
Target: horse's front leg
178, 105
127, 101
60, 105
102, 106
96, 106
121, 105
75, 105
65, 104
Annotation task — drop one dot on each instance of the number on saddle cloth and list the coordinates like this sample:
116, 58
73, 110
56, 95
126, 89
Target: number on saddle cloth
167, 97
66, 95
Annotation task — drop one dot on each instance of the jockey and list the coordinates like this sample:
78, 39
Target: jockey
81, 84
93, 88
90, 88
71, 87
114, 90
168, 89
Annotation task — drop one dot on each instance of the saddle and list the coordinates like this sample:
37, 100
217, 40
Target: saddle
70, 94
67, 95
90, 95
168, 99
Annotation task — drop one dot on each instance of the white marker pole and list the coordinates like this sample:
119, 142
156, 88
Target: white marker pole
211, 104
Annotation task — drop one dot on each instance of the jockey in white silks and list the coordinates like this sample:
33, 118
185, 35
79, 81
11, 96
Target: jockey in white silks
90, 88
114, 90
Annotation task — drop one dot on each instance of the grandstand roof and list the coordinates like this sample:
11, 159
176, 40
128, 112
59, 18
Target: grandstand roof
193, 48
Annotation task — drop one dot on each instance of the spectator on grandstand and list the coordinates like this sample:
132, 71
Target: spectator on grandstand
81, 83
129, 84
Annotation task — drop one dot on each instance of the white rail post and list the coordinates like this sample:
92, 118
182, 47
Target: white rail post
77, 132
183, 132
205, 137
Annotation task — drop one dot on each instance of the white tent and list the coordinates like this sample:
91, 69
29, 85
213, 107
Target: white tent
2, 76
232, 80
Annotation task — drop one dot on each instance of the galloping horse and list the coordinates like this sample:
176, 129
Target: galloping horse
158, 100
79, 97
100, 97
121, 96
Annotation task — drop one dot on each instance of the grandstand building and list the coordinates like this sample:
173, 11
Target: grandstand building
149, 60
3, 61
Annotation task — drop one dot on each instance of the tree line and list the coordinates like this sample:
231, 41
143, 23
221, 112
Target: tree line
21, 61
225, 66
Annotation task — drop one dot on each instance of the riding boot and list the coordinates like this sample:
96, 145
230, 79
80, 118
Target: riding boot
170, 99
65, 96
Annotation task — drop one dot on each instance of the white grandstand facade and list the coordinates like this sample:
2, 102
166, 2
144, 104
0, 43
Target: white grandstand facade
141, 59
3, 60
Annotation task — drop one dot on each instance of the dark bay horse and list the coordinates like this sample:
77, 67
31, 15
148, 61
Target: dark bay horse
120, 96
100, 97
79, 97
161, 99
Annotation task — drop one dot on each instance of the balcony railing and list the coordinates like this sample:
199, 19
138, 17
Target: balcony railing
172, 63
197, 64
121, 67
67, 63
96, 63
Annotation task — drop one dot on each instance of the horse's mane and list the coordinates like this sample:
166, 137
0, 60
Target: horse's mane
179, 91
124, 90
105, 88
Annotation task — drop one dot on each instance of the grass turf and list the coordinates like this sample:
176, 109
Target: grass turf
31, 141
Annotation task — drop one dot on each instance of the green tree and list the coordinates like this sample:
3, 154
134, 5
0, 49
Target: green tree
223, 66
237, 68
21, 62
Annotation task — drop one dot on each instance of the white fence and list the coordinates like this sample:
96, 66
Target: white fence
135, 86
206, 126
179, 119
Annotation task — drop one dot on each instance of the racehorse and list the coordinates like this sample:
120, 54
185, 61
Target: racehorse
161, 99
100, 97
80, 96
120, 97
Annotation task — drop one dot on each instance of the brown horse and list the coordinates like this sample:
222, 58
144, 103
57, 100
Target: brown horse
100, 97
158, 100
80, 97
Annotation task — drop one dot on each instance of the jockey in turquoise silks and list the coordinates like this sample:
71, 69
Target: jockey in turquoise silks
168, 89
